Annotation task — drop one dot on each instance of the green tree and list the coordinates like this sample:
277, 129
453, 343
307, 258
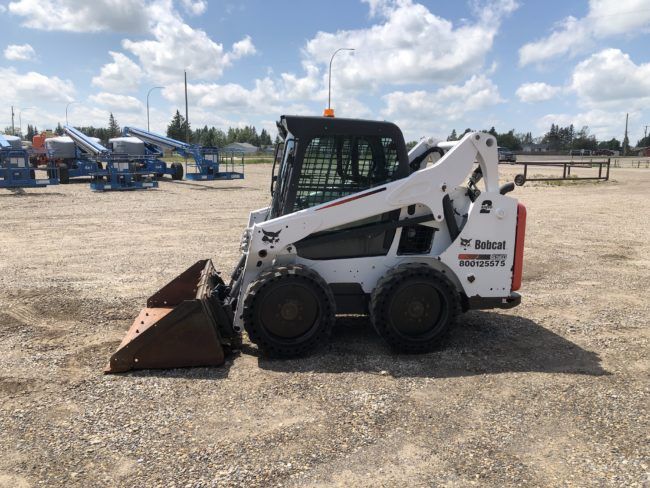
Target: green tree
113, 127
59, 129
177, 127
643, 142
613, 144
31, 131
453, 136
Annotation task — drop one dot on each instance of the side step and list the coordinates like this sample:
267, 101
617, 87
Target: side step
183, 325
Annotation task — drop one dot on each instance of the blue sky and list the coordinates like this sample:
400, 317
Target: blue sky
430, 66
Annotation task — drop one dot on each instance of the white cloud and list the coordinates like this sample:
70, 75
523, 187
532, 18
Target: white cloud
604, 124
19, 52
242, 48
452, 102
177, 46
122, 75
265, 97
34, 87
116, 102
610, 79
537, 92
82, 16
195, 7
410, 45
606, 18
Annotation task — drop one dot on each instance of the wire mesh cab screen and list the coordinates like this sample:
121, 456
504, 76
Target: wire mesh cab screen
336, 166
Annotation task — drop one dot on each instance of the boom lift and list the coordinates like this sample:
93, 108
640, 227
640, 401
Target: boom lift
152, 153
75, 162
355, 226
15, 170
114, 171
209, 163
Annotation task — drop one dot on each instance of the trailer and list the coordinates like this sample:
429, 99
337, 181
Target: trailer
115, 171
15, 171
207, 163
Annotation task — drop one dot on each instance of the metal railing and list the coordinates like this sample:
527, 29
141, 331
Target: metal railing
566, 166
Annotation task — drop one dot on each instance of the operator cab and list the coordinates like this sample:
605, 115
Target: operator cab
322, 159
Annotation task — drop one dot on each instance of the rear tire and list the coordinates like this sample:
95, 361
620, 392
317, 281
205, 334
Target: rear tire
289, 311
520, 180
413, 306
64, 175
178, 171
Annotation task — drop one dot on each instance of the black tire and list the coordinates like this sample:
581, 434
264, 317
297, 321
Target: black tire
289, 311
520, 180
413, 306
178, 171
64, 175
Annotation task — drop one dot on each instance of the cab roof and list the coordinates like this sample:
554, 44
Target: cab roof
306, 127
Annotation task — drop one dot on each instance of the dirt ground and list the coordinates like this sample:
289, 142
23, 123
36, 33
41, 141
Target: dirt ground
552, 393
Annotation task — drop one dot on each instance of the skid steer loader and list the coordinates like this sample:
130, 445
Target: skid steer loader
356, 225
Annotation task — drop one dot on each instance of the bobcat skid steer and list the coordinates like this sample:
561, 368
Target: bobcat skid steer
355, 226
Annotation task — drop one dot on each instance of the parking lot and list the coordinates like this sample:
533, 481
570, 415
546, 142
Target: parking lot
551, 393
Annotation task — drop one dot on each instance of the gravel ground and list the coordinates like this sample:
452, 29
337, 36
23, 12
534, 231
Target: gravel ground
552, 393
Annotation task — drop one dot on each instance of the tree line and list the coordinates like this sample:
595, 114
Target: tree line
556, 138
179, 129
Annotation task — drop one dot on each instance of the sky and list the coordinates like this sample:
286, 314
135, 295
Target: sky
429, 66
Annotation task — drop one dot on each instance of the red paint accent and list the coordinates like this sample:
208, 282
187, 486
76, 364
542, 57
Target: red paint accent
356, 197
518, 268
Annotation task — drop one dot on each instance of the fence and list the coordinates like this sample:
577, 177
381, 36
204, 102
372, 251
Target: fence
566, 166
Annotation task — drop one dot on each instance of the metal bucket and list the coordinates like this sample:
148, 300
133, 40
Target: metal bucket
183, 325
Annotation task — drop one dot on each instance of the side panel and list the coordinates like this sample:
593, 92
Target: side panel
482, 255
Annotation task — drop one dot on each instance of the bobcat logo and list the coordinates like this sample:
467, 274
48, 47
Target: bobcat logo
465, 242
271, 237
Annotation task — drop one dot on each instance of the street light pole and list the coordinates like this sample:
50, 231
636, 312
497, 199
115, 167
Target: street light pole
328, 111
66, 110
20, 120
148, 93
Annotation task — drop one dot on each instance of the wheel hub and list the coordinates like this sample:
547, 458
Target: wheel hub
415, 309
289, 310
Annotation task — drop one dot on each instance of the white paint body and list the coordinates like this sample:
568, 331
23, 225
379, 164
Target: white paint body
425, 189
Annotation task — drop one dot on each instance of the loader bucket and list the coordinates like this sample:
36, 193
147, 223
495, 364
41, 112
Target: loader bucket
183, 325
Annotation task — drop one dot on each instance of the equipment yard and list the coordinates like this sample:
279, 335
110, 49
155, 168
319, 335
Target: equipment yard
551, 393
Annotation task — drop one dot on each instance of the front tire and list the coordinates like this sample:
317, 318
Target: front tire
289, 311
178, 171
413, 306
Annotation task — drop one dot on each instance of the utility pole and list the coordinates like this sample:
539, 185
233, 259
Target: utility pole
187, 121
626, 141
13, 129
646, 132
